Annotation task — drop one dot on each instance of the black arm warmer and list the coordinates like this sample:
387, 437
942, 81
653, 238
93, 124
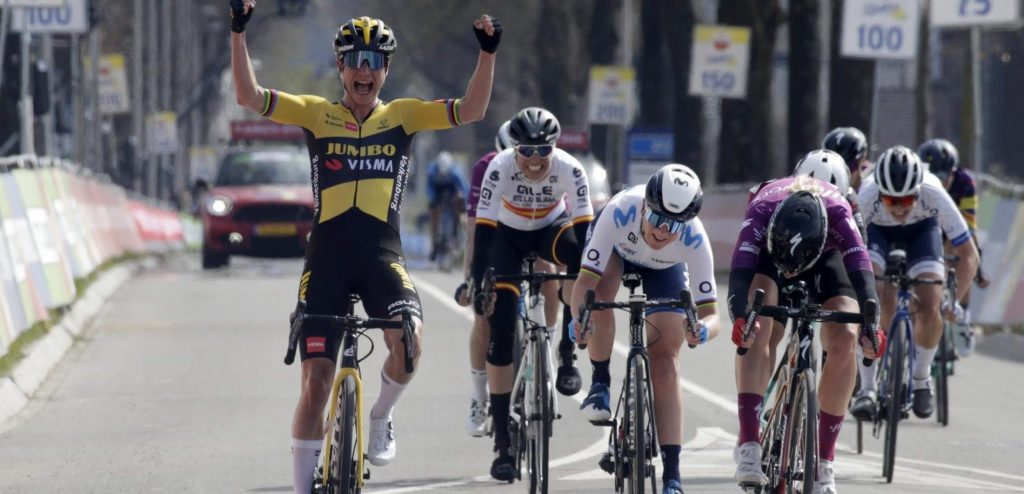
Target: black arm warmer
739, 287
580, 229
864, 284
481, 251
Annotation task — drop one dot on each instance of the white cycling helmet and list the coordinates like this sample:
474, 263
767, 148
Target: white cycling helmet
503, 140
674, 192
827, 166
899, 172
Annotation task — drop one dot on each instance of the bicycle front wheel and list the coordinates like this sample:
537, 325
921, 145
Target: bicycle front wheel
344, 465
895, 384
637, 427
540, 422
941, 367
801, 461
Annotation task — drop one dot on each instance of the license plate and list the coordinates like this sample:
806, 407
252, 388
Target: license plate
276, 230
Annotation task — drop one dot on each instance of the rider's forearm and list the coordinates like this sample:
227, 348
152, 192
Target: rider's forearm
864, 285
580, 229
470, 237
247, 91
478, 93
739, 286
708, 315
481, 246
585, 281
966, 269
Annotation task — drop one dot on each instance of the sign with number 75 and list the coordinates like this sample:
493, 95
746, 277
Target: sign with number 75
955, 13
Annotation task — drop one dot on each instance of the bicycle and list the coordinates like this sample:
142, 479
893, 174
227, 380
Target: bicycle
894, 373
533, 404
789, 426
945, 358
633, 437
449, 239
341, 469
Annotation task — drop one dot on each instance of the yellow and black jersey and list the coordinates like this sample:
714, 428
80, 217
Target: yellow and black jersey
359, 170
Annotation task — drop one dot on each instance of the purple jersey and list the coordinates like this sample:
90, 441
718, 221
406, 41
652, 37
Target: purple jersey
843, 234
476, 180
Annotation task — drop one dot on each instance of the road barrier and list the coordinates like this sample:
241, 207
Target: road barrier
59, 223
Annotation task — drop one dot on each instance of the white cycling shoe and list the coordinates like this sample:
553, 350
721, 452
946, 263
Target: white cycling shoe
476, 422
748, 464
826, 481
382, 441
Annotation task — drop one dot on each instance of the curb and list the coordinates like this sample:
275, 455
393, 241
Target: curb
43, 356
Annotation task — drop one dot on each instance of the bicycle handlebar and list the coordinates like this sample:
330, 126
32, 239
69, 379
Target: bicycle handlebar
810, 313
684, 302
351, 323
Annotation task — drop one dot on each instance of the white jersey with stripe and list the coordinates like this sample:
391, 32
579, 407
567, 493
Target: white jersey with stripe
507, 197
617, 230
932, 202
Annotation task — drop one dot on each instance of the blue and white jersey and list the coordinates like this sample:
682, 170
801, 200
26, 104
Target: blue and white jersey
617, 230
933, 201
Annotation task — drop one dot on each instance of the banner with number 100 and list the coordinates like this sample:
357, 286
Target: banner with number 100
880, 28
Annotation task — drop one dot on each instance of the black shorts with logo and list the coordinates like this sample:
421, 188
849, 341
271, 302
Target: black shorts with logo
826, 279
332, 273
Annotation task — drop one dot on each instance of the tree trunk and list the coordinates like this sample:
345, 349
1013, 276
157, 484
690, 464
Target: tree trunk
653, 71
851, 83
923, 94
744, 155
806, 126
604, 42
679, 20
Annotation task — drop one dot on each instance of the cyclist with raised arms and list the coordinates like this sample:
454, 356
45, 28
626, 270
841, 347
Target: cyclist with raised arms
479, 336
359, 156
906, 205
850, 143
522, 210
652, 230
943, 161
799, 229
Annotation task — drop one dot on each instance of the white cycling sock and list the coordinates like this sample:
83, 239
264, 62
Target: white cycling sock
390, 391
923, 362
479, 384
967, 317
867, 376
304, 456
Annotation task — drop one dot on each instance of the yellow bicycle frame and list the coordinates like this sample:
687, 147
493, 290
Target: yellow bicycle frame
335, 390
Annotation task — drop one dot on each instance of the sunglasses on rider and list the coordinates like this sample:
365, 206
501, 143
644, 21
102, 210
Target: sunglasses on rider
905, 201
355, 59
528, 151
674, 226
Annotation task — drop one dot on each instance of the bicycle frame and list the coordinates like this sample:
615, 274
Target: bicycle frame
349, 366
885, 395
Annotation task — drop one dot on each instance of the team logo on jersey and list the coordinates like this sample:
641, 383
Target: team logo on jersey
576, 172
631, 237
624, 218
333, 164
494, 176
691, 240
384, 124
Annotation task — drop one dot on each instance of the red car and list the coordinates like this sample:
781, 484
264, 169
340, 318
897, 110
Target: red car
260, 205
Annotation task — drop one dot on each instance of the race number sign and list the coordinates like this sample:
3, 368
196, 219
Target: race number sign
963, 13
612, 95
881, 28
721, 57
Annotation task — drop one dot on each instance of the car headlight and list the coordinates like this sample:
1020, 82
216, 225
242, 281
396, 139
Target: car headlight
219, 206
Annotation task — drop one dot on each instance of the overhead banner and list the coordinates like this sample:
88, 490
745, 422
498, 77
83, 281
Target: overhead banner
721, 59
612, 95
881, 28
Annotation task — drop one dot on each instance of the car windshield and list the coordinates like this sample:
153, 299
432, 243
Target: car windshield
264, 168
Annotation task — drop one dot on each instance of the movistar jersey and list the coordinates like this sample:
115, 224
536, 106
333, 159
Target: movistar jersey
359, 170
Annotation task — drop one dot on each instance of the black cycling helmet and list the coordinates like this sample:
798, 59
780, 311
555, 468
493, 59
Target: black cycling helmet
849, 142
797, 232
364, 34
941, 156
899, 172
674, 192
534, 126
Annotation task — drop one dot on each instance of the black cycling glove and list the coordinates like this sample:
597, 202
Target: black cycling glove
239, 19
489, 43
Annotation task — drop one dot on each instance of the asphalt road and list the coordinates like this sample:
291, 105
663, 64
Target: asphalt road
179, 387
